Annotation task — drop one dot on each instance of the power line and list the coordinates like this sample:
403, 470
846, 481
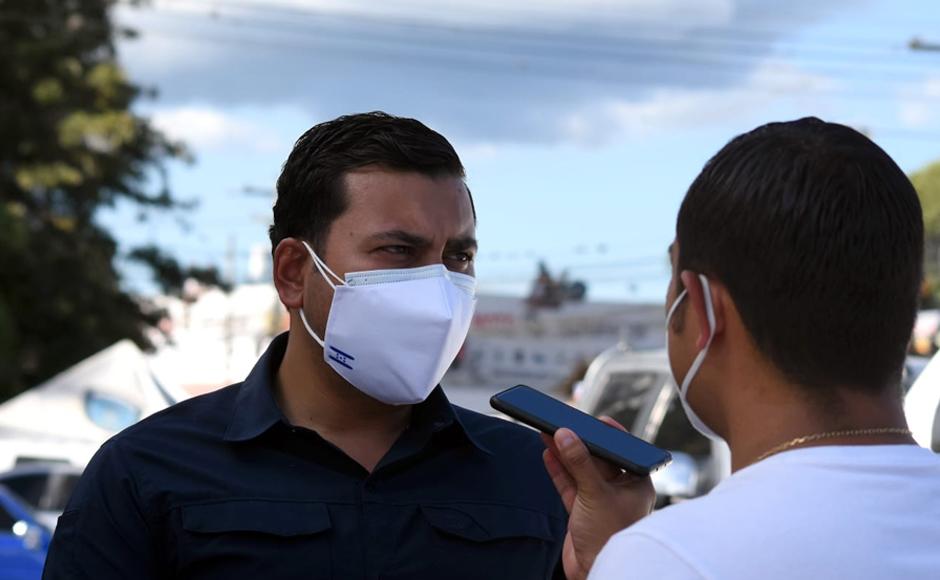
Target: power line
573, 51
644, 58
754, 34
516, 68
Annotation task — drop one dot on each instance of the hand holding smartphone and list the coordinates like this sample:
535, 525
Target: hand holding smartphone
548, 414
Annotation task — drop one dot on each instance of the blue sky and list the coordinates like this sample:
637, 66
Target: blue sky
580, 122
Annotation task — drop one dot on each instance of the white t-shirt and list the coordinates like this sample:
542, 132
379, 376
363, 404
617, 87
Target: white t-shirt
853, 512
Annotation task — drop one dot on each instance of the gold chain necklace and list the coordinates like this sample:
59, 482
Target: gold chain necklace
831, 434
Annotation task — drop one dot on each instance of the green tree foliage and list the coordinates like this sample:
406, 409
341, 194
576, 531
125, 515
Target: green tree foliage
71, 144
927, 183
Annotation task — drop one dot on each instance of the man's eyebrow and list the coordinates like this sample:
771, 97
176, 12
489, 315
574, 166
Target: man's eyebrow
401, 236
463, 243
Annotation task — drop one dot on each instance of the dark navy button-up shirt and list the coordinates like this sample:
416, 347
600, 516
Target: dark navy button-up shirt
223, 487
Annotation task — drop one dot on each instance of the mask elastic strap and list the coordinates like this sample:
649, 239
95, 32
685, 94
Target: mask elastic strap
303, 318
675, 305
710, 315
323, 268
324, 271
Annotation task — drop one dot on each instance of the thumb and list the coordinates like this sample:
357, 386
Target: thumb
577, 460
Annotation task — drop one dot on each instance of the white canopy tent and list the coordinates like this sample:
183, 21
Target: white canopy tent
69, 416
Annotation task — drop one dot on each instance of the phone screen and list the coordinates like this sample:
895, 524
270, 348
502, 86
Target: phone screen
549, 414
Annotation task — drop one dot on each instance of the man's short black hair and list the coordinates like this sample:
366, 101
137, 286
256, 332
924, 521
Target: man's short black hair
818, 236
310, 193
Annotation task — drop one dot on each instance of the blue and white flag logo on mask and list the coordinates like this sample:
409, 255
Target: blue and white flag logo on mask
341, 357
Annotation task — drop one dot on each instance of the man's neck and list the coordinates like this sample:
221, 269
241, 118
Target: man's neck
776, 413
312, 395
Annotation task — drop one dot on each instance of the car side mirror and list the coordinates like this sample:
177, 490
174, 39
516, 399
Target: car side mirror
678, 480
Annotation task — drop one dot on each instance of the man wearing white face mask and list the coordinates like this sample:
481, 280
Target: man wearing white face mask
339, 456
796, 270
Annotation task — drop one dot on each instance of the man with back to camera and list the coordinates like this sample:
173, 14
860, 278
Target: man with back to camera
796, 268
339, 456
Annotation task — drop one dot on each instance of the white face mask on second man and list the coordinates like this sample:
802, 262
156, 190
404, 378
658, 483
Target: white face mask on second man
694, 419
393, 334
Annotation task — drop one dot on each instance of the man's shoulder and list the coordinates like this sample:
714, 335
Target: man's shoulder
511, 464
206, 414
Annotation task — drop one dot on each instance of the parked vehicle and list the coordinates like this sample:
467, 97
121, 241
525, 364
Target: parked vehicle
637, 389
45, 487
24, 541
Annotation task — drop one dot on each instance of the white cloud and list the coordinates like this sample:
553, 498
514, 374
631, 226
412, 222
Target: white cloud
598, 123
208, 128
174, 44
543, 71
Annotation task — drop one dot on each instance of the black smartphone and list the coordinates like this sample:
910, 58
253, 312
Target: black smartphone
548, 414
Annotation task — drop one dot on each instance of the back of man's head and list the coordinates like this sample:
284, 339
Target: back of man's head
818, 237
310, 193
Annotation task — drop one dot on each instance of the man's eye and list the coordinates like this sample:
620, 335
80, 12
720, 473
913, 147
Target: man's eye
462, 257
398, 250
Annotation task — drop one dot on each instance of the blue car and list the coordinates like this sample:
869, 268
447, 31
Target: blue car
23, 540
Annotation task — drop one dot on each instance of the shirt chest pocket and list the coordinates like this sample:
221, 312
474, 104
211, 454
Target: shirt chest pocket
482, 541
255, 538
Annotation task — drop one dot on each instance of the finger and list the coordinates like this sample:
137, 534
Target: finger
578, 462
612, 422
562, 481
548, 441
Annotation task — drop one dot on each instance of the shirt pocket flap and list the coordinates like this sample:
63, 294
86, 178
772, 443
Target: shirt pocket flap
267, 517
482, 523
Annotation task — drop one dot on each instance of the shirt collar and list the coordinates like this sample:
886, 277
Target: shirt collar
256, 411
439, 414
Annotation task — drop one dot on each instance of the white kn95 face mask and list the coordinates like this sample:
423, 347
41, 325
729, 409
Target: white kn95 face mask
393, 334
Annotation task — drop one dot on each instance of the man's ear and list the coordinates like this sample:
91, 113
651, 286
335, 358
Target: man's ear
290, 268
696, 298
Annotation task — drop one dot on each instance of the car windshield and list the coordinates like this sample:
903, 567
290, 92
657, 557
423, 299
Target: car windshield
626, 393
48, 491
20, 503
677, 434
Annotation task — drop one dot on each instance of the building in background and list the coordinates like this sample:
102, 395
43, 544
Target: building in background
213, 338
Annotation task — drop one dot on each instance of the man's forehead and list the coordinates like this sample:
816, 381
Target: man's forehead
407, 206
377, 186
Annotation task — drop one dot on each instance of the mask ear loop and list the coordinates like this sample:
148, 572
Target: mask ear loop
675, 305
323, 268
324, 271
710, 316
